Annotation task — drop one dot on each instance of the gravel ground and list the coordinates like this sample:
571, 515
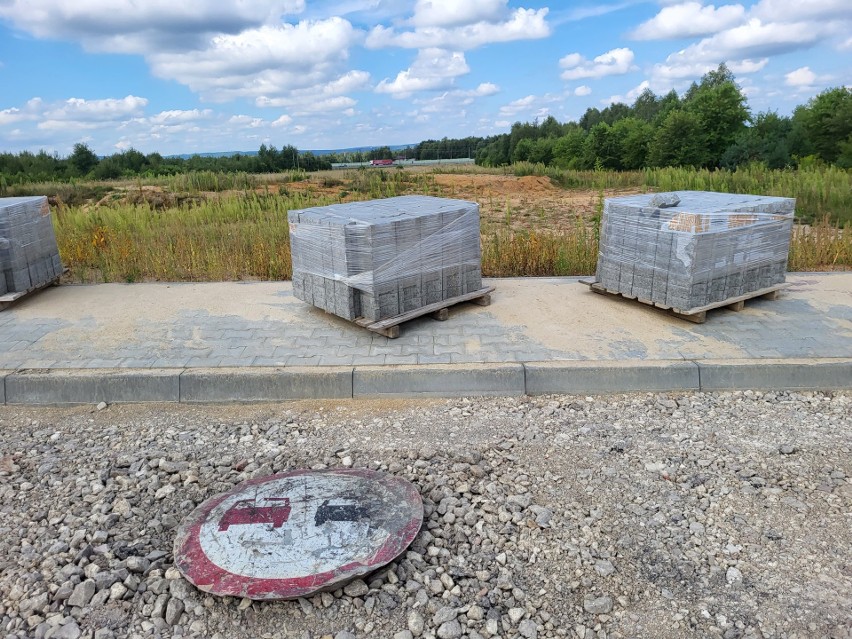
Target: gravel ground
696, 515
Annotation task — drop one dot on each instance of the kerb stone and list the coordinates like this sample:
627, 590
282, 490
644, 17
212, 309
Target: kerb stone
776, 374
91, 386
543, 378
212, 385
451, 380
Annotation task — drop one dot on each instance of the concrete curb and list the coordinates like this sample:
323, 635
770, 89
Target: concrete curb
438, 380
787, 374
220, 385
213, 385
544, 378
93, 385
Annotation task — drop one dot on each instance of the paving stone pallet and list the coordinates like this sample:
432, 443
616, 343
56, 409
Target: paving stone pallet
384, 259
439, 311
693, 249
29, 256
697, 315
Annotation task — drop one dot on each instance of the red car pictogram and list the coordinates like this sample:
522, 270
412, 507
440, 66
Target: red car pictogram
247, 511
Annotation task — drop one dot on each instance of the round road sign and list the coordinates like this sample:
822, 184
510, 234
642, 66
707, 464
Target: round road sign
289, 535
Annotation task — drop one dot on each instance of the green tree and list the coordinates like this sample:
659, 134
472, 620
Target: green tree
633, 137
82, 159
602, 148
826, 123
679, 141
721, 110
568, 150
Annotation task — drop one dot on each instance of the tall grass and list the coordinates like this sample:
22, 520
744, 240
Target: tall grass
231, 238
244, 234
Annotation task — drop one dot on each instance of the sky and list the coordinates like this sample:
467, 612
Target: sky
192, 76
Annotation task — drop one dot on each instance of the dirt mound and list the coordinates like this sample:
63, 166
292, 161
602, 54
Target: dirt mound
536, 183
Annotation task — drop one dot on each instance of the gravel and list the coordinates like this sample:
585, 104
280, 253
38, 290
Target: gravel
708, 515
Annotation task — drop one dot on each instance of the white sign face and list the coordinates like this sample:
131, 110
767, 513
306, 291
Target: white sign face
287, 535
313, 528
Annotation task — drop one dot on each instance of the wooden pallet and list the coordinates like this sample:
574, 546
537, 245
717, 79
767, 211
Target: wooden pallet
10, 298
697, 315
389, 327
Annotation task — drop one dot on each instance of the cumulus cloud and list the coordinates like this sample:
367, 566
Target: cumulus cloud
688, 20
320, 97
631, 95
745, 48
284, 120
177, 116
129, 26
521, 24
615, 62
804, 78
269, 60
246, 121
452, 13
432, 69
582, 90
774, 10
453, 101
95, 111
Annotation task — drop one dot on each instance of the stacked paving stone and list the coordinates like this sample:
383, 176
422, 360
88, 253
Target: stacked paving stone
693, 248
29, 257
382, 258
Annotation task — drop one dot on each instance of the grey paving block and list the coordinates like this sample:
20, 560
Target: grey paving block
214, 385
3, 375
776, 374
91, 386
458, 380
544, 378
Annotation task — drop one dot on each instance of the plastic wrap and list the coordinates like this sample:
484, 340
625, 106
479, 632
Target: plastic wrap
29, 256
382, 258
708, 248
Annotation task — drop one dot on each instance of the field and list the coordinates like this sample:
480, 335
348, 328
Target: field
536, 221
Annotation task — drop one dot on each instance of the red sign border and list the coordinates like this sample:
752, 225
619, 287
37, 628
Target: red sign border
193, 563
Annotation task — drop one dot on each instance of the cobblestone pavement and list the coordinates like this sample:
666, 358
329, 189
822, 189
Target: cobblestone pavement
261, 324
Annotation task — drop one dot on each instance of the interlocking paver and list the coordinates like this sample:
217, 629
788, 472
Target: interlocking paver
529, 320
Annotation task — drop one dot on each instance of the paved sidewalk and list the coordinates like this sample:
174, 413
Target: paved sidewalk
258, 325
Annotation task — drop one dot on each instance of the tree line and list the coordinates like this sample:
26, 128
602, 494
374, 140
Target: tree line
709, 126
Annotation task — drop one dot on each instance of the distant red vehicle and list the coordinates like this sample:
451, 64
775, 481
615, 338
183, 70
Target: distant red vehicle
247, 511
381, 162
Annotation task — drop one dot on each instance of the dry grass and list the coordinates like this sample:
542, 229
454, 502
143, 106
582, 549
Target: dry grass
189, 229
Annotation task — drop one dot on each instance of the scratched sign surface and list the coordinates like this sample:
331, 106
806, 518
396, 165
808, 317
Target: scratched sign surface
292, 534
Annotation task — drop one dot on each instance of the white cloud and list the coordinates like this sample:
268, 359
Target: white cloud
631, 96
452, 13
432, 69
246, 121
452, 101
518, 106
269, 60
688, 20
846, 45
746, 49
784, 10
747, 66
582, 90
96, 111
129, 26
522, 24
615, 62
284, 120
168, 118
803, 78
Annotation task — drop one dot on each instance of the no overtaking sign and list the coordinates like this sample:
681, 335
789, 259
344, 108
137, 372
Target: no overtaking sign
292, 534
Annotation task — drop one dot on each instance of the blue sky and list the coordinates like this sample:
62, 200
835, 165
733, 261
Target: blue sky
216, 75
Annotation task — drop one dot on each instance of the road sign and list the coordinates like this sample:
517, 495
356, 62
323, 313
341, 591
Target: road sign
296, 533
